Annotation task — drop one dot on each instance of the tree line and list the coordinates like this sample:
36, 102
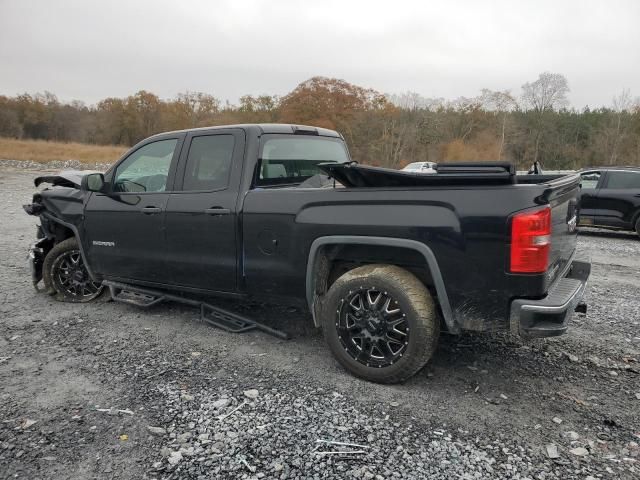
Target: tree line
385, 130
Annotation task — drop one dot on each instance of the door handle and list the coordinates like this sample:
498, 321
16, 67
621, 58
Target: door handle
217, 211
151, 210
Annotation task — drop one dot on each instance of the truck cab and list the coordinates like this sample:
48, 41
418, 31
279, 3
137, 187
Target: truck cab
173, 190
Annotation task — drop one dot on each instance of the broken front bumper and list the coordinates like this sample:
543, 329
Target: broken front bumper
549, 316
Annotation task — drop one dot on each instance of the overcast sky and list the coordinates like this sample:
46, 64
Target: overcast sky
89, 50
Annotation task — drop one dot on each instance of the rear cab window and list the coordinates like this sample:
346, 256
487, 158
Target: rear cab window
290, 160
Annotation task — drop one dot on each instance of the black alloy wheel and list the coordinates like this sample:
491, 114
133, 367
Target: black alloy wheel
72, 279
66, 276
372, 327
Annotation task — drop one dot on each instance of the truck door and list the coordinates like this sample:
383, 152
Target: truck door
124, 228
589, 182
202, 217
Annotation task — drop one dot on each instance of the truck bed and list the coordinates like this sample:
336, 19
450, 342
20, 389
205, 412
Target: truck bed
463, 217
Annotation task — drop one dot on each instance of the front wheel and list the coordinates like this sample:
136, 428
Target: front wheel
380, 323
66, 276
638, 226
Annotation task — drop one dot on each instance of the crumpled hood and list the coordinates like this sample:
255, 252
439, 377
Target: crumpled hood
66, 178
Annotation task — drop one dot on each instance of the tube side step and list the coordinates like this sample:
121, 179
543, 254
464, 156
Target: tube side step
210, 314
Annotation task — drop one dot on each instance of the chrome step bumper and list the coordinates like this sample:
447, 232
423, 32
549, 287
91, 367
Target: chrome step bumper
549, 316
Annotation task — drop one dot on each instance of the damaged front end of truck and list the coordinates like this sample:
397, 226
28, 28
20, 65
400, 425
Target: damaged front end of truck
59, 206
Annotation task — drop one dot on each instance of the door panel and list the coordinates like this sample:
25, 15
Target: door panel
201, 219
124, 238
124, 228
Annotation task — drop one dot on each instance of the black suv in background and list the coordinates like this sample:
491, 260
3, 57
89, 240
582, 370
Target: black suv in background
610, 198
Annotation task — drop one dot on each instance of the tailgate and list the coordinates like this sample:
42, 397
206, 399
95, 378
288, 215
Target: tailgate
562, 195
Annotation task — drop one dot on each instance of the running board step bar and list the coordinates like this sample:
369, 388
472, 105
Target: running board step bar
214, 316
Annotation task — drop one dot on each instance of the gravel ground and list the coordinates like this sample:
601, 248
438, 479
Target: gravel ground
112, 391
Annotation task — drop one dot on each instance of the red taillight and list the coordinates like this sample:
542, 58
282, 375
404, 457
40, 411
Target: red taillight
531, 241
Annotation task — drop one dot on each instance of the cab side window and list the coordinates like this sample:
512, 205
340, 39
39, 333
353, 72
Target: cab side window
146, 169
208, 163
589, 179
623, 180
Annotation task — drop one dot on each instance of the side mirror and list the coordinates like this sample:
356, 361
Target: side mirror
93, 182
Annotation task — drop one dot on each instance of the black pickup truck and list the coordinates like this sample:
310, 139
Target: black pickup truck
383, 259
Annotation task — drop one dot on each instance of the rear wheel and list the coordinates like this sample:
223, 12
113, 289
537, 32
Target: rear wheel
638, 226
66, 276
380, 323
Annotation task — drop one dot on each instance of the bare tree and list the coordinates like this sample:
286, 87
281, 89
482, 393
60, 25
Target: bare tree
546, 94
503, 103
468, 113
414, 101
622, 104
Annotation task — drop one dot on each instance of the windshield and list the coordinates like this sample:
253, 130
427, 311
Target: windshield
293, 159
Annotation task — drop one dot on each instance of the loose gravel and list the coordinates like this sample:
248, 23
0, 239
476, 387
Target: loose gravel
112, 391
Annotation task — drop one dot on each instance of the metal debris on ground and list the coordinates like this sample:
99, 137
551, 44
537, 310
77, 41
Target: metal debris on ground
26, 423
114, 411
243, 461
573, 399
361, 448
222, 417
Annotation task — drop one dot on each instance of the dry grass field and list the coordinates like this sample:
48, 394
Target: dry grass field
43, 151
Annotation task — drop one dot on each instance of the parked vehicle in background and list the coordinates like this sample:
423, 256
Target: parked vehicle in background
384, 259
421, 167
610, 198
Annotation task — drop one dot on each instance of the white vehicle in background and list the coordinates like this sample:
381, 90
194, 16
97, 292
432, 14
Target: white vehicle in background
421, 167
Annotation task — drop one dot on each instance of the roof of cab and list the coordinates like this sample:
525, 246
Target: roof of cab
265, 128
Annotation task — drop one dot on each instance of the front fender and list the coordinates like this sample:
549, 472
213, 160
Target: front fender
76, 233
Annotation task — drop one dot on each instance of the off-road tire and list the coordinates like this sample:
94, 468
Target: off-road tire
638, 226
415, 302
53, 286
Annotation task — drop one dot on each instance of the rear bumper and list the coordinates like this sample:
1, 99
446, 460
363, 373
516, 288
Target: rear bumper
549, 316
